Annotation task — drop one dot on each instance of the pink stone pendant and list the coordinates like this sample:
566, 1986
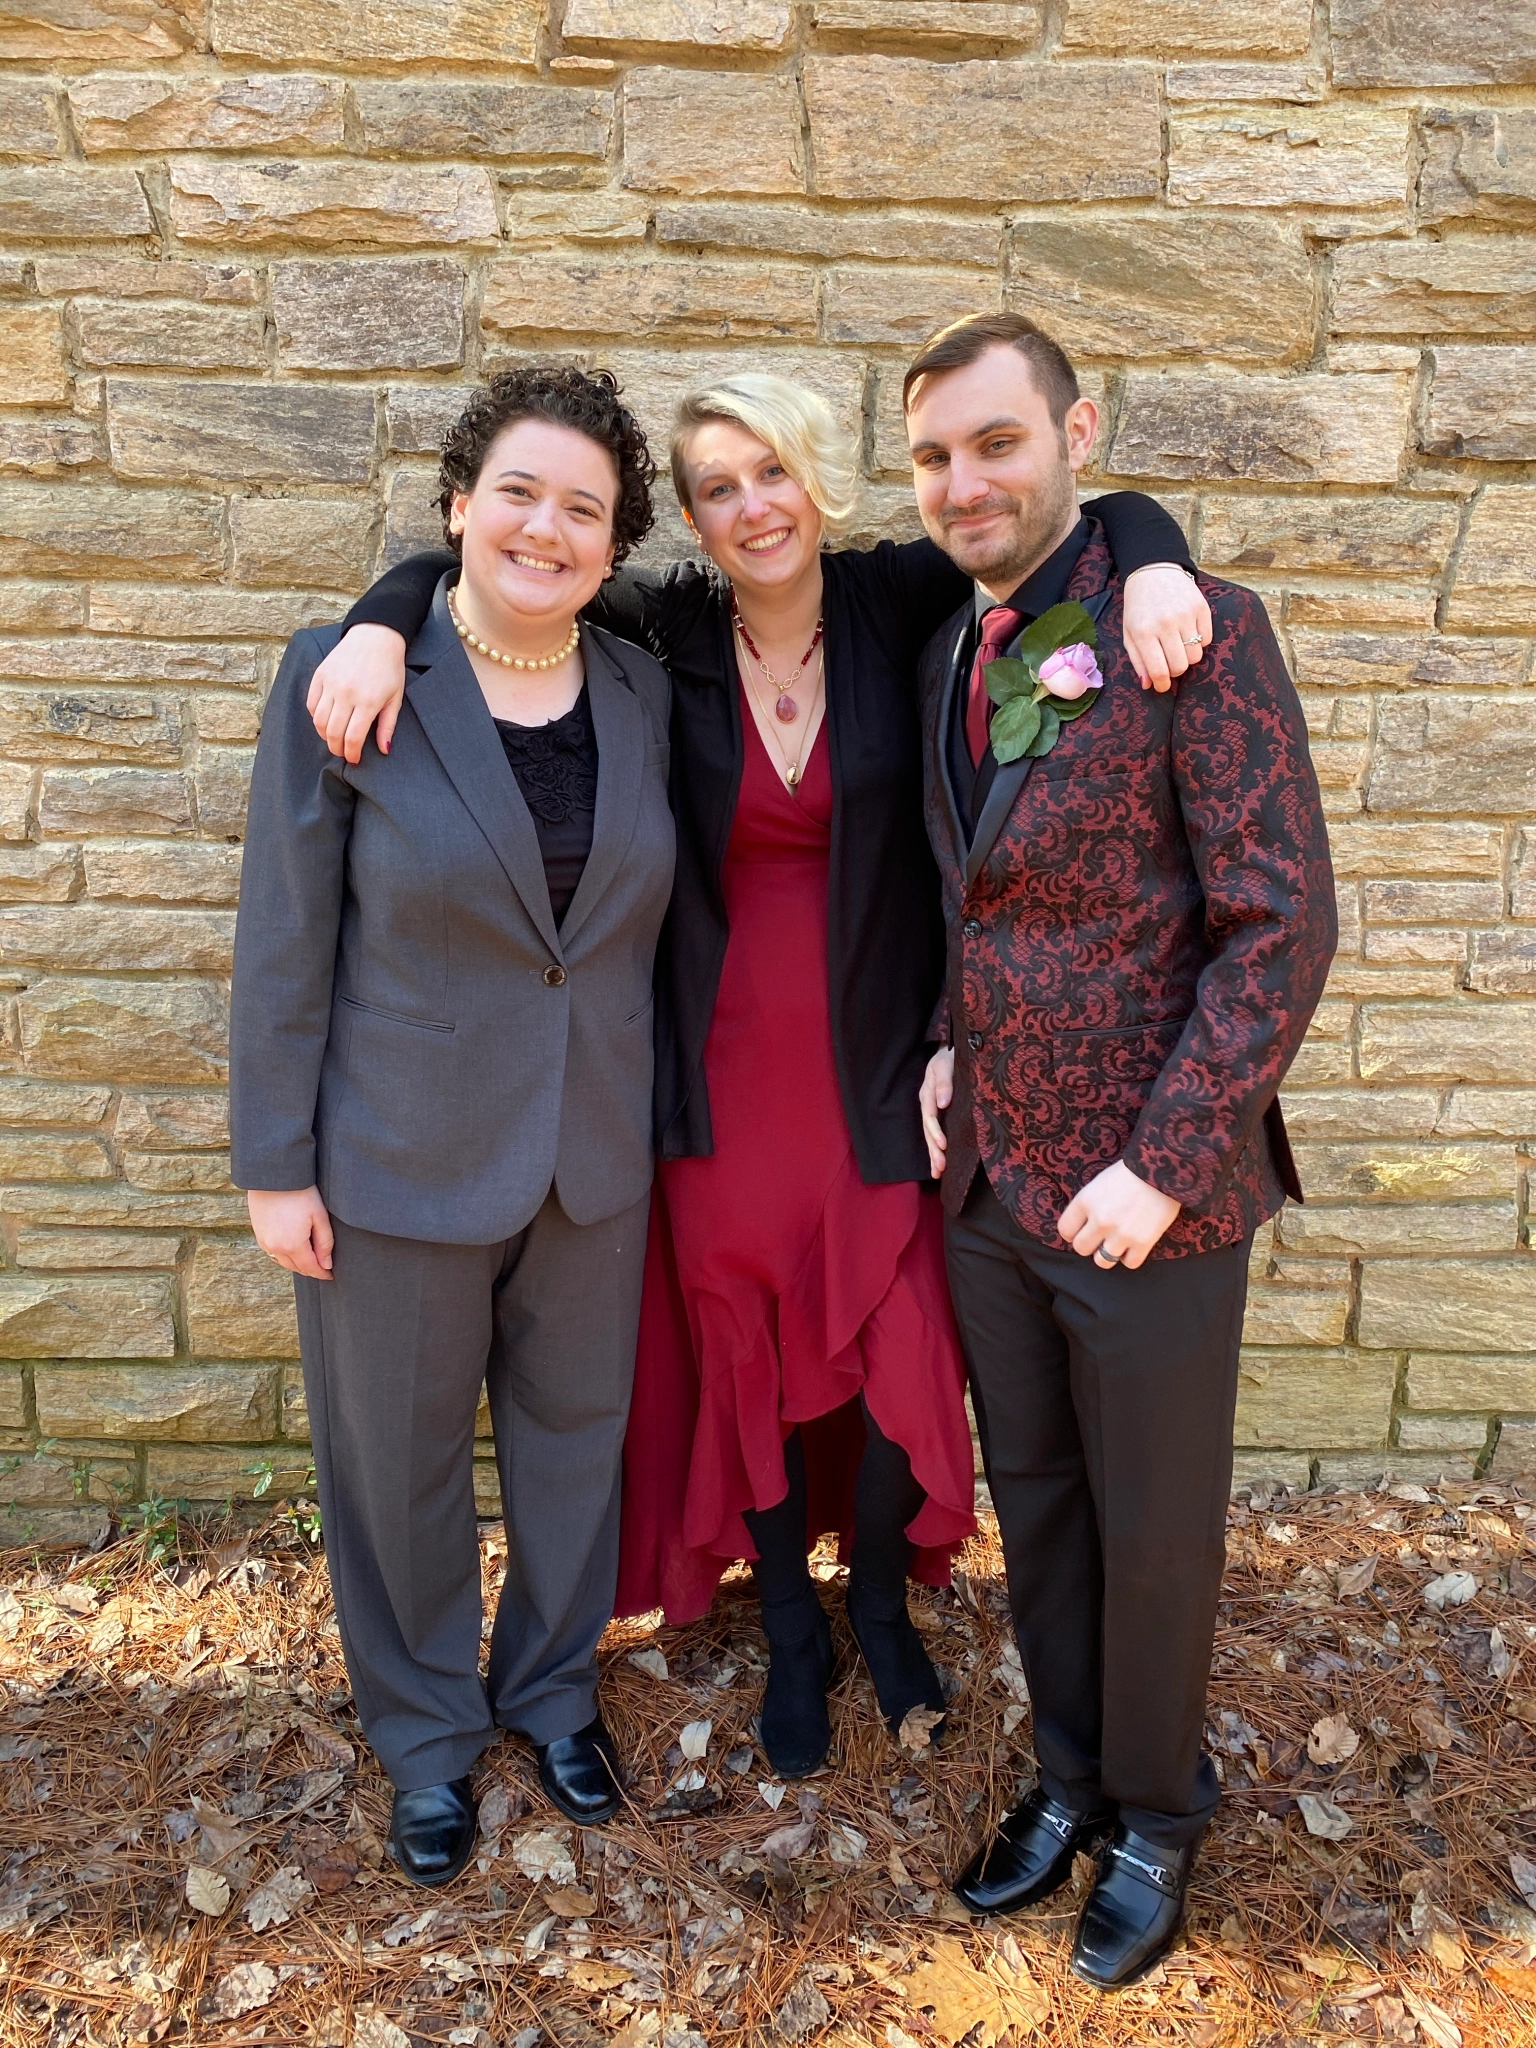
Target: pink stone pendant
786, 709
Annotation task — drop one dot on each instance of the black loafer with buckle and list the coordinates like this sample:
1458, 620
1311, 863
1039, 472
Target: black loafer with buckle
580, 1773
1133, 1912
1030, 1856
432, 1831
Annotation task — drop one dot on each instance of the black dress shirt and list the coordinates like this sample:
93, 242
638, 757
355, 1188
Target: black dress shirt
1042, 588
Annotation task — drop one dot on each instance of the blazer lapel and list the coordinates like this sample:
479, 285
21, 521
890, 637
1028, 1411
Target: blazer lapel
1011, 778
955, 636
442, 691
620, 726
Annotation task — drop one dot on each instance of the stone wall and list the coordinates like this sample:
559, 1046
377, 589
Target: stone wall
250, 251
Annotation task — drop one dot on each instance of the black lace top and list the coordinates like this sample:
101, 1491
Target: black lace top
556, 770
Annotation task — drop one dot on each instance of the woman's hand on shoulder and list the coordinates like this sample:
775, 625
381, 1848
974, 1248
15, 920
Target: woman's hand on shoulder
293, 1226
360, 680
1167, 623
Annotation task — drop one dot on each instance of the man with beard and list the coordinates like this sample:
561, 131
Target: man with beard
1140, 917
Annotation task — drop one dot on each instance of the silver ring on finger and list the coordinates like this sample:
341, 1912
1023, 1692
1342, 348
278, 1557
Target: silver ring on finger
1105, 1258
1192, 640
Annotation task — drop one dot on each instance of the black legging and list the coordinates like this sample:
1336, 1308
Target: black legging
886, 1498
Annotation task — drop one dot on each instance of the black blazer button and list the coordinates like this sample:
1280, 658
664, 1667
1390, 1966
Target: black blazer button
554, 977
975, 1040
971, 929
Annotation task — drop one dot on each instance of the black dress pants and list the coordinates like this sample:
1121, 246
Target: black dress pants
1104, 1401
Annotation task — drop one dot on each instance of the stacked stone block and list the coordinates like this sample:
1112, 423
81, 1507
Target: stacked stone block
251, 253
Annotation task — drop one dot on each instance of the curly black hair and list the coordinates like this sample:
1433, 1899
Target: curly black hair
588, 402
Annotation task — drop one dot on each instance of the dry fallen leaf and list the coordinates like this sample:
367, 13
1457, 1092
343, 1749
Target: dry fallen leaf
1435, 1729
846, 1845
207, 1891
542, 1854
694, 1740
588, 1974
330, 1864
246, 1988
1324, 1816
1523, 1706
960, 1997
1439, 2028
570, 1903
374, 2028
1332, 1740
323, 1745
275, 1902
12, 1615
76, 1600
1437, 1933
649, 1660
917, 1727
1523, 1870
1354, 1578
791, 1841
1451, 1589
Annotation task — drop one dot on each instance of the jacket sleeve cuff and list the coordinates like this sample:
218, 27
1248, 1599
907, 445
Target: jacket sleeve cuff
270, 1170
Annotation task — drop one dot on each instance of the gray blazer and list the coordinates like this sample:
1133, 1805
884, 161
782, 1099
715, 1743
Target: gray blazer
410, 1029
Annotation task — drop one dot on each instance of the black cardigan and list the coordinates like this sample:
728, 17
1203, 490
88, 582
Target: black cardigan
885, 929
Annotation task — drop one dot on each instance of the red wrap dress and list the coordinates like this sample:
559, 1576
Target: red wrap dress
779, 1287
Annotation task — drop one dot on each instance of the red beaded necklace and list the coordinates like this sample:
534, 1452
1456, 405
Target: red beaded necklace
785, 709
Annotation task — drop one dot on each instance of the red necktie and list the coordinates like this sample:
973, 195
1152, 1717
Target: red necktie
998, 627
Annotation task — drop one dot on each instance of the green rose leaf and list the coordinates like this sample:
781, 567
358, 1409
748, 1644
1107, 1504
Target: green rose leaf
1073, 707
1006, 679
1046, 737
1014, 728
1061, 626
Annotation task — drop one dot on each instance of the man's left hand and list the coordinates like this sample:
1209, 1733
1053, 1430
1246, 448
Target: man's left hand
1117, 1218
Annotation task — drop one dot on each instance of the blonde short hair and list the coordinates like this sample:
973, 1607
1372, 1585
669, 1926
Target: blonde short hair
797, 425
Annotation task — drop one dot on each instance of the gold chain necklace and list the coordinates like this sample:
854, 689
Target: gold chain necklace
514, 660
792, 768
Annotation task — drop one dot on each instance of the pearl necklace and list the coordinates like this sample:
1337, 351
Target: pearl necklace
514, 660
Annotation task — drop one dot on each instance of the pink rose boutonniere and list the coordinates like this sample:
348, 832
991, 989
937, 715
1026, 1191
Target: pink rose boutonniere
1047, 681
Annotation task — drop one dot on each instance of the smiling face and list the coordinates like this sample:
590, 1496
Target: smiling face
537, 528
995, 476
757, 523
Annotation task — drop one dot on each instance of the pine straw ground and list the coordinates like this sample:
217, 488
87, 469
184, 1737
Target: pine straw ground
190, 1827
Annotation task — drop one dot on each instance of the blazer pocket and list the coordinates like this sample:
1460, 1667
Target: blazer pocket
644, 1010
658, 753
1091, 1061
395, 1016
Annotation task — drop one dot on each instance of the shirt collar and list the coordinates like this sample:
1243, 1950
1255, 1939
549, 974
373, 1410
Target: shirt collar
1045, 585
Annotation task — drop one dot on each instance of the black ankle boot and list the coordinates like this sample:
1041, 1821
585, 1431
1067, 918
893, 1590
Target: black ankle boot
892, 1648
1133, 1912
794, 1725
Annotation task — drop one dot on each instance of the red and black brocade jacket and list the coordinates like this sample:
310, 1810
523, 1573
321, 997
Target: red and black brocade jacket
1139, 932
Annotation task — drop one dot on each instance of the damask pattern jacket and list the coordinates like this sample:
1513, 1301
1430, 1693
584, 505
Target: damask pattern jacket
1139, 931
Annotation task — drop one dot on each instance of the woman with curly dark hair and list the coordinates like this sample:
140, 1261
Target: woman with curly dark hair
441, 1083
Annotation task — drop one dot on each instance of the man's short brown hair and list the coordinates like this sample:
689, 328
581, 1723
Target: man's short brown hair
960, 343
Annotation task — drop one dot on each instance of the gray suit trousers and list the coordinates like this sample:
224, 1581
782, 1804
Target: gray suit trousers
395, 1348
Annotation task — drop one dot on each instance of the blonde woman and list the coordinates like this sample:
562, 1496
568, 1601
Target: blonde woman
798, 1368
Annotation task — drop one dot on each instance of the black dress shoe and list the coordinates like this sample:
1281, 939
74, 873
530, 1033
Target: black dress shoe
580, 1773
890, 1645
1030, 1856
1133, 1912
432, 1831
